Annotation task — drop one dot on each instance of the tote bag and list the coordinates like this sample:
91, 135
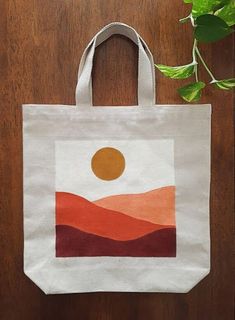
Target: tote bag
116, 198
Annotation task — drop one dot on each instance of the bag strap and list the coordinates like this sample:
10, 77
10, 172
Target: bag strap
146, 72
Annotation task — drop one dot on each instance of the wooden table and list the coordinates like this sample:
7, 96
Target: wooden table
41, 43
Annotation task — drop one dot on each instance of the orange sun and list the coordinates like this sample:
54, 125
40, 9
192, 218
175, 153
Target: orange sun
108, 163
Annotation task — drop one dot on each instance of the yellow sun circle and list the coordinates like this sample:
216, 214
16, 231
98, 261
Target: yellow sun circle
108, 163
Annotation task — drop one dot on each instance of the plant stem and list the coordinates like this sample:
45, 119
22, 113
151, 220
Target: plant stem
194, 49
196, 73
185, 19
205, 65
194, 59
192, 20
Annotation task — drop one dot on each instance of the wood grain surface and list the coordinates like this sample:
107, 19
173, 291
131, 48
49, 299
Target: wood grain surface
41, 43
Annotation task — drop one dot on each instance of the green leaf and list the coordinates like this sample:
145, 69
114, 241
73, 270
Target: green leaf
192, 91
227, 13
201, 7
188, 1
179, 72
210, 28
225, 84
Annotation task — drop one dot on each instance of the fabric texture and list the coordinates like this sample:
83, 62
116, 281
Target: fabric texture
116, 199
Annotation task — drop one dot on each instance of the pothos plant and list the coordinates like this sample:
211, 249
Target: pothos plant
211, 20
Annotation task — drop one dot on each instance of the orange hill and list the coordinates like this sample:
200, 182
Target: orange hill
156, 206
75, 211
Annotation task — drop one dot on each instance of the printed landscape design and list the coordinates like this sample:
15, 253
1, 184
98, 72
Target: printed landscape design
134, 225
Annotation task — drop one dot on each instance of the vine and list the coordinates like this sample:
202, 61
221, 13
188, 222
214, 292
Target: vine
211, 20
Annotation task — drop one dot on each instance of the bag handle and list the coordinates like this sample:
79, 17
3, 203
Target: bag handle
146, 72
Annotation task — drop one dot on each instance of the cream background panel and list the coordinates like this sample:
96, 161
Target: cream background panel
149, 164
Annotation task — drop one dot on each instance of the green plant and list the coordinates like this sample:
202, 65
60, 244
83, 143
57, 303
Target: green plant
211, 20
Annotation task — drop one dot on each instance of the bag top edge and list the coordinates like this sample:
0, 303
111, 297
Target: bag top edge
109, 107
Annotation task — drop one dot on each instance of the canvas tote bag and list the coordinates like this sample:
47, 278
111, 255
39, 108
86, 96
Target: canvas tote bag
116, 198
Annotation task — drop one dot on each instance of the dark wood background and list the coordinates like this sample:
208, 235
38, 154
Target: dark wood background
41, 43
